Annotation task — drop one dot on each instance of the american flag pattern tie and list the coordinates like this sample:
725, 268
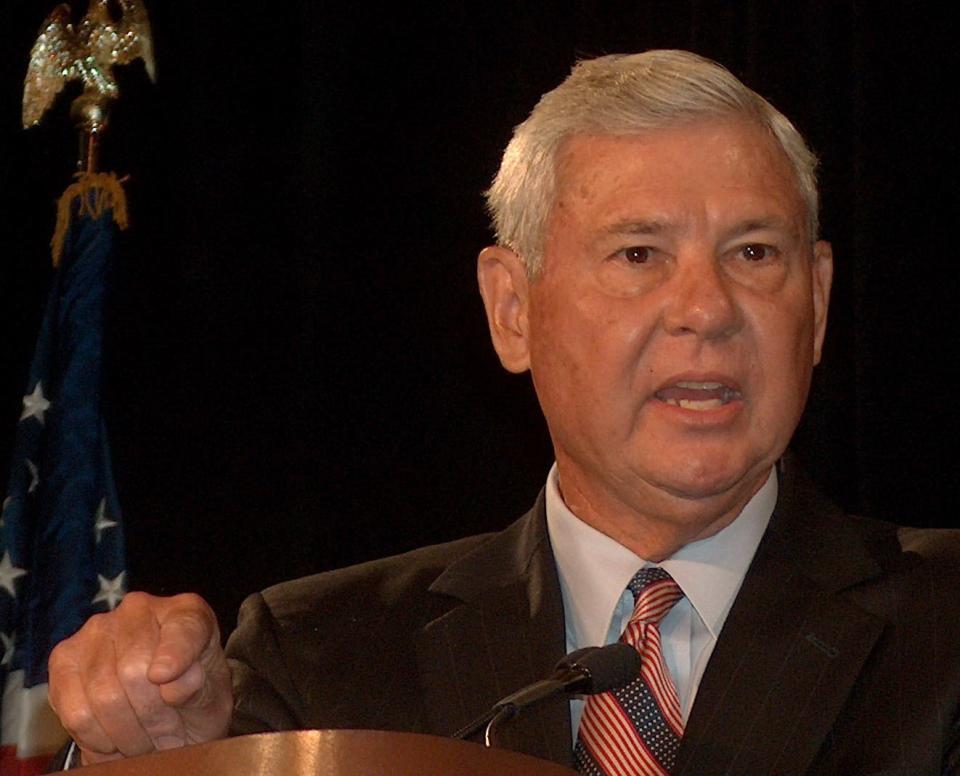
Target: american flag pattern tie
636, 730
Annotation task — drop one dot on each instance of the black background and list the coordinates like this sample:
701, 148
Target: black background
298, 371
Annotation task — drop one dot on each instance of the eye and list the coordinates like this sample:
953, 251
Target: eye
757, 252
637, 254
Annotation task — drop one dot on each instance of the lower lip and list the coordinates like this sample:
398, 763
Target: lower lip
720, 415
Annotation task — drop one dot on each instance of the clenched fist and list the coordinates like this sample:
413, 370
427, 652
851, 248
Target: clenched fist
149, 675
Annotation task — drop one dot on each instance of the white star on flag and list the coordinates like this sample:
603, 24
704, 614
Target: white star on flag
7, 649
34, 475
35, 404
8, 574
102, 521
111, 590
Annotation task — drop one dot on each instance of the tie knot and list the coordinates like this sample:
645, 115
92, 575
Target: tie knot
654, 594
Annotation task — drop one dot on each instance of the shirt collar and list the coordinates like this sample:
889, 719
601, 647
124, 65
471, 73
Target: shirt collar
594, 569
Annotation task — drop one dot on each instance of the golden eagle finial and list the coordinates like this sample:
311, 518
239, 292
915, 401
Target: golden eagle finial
87, 52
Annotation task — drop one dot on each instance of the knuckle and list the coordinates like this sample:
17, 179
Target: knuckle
106, 695
83, 648
192, 605
191, 600
78, 720
97, 625
60, 657
135, 599
132, 670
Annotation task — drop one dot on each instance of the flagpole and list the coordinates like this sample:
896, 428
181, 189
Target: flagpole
90, 115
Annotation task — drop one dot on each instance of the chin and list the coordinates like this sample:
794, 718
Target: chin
706, 477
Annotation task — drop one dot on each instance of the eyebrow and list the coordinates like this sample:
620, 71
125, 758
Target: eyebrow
761, 224
638, 227
654, 227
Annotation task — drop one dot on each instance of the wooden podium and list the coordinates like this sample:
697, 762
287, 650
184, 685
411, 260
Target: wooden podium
333, 753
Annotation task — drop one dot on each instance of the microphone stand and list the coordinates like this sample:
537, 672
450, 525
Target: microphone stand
585, 671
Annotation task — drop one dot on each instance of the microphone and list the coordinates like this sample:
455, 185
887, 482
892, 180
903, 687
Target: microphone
583, 672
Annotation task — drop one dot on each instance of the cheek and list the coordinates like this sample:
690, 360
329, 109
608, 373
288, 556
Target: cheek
783, 360
582, 354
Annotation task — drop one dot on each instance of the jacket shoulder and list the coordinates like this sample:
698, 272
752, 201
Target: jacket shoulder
333, 649
380, 584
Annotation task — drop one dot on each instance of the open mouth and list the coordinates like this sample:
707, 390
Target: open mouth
698, 396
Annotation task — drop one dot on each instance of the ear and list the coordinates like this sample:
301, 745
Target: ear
822, 280
504, 287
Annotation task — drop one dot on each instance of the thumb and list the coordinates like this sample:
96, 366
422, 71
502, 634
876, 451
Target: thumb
188, 634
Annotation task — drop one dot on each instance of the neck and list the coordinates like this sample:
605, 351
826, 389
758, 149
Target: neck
652, 523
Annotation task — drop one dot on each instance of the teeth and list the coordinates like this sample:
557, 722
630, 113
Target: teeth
699, 386
691, 404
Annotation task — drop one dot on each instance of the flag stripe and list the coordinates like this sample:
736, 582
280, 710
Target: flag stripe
607, 741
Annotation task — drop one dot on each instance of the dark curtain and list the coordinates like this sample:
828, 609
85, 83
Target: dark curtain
299, 375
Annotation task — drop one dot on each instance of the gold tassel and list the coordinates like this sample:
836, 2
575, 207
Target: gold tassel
97, 191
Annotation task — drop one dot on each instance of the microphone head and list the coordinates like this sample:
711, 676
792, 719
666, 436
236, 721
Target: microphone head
601, 668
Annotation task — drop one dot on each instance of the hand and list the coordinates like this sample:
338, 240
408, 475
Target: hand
149, 675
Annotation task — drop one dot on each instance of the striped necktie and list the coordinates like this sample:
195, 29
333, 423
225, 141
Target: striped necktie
636, 730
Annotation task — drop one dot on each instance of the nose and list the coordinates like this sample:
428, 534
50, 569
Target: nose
699, 300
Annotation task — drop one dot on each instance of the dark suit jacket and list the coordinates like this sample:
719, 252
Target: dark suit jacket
841, 654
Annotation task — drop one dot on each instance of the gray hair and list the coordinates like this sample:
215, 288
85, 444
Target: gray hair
624, 95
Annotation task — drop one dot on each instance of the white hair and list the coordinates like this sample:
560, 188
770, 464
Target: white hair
625, 95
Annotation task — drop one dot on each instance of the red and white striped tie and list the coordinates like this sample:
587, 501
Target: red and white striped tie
636, 730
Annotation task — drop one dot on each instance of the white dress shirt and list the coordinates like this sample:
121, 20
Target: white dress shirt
594, 571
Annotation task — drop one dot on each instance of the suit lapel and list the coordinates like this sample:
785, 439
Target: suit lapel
504, 630
791, 648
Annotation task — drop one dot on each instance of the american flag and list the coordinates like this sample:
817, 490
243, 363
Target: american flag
61, 541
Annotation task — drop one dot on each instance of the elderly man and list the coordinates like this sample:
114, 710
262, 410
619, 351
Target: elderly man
658, 273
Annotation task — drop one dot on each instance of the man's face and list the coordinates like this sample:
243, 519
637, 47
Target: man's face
672, 331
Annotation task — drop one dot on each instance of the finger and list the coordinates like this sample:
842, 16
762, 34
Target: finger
110, 705
68, 698
188, 635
